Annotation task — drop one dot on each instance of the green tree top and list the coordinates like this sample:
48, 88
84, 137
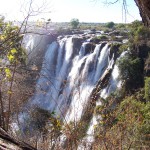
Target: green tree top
74, 23
110, 24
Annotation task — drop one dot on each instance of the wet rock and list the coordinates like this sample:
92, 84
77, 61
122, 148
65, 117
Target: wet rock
105, 78
114, 49
77, 42
78, 32
60, 37
95, 40
89, 48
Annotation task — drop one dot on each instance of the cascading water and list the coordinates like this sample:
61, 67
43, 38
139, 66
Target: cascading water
68, 77
70, 72
114, 83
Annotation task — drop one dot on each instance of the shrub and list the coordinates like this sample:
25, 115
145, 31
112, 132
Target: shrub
131, 71
126, 126
102, 37
138, 32
147, 89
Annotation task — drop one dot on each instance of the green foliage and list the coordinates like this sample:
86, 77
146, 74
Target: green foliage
110, 24
127, 125
130, 71
121, 26
102, 37
12, 56
10, 42
74, 23
147, 89
138, 32
134, 116
123, 47
125, 119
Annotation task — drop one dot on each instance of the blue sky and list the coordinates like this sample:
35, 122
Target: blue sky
65, 10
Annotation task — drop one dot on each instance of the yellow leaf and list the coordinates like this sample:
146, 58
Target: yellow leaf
8, 72
13, 51
9, 92
10, 57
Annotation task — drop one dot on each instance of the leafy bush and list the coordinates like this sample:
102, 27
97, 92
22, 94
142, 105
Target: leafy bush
147, 89
12, 56
121, 26
131, 71
125, 126
123, 47
102, 37
138, 32
134, 116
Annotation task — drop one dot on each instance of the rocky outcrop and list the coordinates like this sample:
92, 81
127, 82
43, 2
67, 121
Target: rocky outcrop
144, 8
89, 48
10, 143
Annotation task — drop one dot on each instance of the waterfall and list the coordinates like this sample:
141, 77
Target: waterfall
71, 70
114, 83
69, 75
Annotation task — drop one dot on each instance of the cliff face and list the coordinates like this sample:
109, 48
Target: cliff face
144, 8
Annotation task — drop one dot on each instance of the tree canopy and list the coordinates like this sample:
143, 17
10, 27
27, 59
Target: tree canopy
74, 23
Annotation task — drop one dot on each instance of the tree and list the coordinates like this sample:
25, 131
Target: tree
74, 23
12, 56
110, 24
144, 9
12, 62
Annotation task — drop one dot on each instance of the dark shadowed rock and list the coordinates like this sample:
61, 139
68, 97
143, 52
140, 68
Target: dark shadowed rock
114, 49
89, 48
95, 40
77, 42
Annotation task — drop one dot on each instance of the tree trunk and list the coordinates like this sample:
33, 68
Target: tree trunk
144, 8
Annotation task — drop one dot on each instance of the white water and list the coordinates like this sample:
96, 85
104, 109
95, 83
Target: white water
114, 83
68, 77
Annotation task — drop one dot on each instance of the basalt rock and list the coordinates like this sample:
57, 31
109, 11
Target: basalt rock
89, 48
114, 50
77, 42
